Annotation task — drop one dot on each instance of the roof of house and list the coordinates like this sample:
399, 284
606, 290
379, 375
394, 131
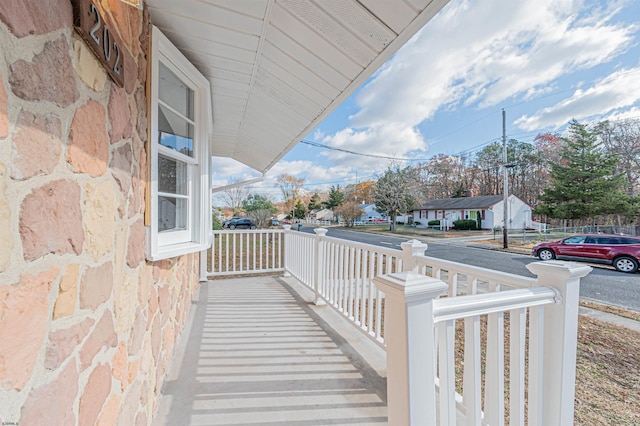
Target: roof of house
482, 202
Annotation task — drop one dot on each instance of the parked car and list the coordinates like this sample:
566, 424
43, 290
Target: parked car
239, 222
620, 251
224, 222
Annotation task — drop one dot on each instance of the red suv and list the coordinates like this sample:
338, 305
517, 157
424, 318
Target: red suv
620, 251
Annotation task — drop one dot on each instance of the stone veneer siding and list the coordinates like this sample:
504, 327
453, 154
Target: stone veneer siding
87, 326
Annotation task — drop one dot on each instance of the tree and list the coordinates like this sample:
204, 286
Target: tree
349, 211
290, 187
260, 209
622, 138
336, 197
364, 192
489, 161
299, 210
445, 176
235, 196
583, 184
393, 192
314, 202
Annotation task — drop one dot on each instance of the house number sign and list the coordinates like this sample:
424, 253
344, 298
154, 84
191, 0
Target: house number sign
101, 38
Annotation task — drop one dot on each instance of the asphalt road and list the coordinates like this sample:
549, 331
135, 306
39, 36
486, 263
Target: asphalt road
603, 284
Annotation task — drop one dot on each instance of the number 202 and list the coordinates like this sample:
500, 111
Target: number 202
107, 41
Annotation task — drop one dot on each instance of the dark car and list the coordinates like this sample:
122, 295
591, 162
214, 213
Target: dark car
620, 251
224, 222
239, 222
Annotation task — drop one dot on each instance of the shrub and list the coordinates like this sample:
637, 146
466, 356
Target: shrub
433, 223
464, 224
215, 223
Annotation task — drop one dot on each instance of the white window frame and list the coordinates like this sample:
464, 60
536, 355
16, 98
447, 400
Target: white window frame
196, 236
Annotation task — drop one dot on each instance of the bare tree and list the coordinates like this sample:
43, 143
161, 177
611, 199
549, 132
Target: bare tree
234, 197
395, 192
622, 139
290, 187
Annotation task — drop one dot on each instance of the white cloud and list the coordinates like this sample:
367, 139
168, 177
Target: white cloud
384, 142
608, 95
478, 54
488, 51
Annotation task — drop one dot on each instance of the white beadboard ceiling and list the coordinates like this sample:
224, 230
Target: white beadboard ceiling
278, 67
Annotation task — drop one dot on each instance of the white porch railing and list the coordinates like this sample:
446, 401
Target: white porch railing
341, 274
241, 252
538, 314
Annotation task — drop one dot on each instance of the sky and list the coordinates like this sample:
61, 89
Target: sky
545, 62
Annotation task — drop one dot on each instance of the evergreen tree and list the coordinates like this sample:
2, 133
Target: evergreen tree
314, 202
583, 184
336, 197
299, 210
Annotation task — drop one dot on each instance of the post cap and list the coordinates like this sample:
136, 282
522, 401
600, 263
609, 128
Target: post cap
410, 286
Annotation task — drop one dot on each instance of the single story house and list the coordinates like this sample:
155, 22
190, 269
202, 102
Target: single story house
488, 207
370, 214
324, 214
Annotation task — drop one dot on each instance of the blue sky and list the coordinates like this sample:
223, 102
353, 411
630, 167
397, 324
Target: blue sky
544, 61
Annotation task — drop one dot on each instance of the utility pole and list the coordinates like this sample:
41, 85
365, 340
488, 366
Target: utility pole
505, 182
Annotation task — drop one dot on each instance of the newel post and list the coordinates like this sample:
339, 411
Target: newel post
287, 250
560, 339
318, 264
411, 249
409, 337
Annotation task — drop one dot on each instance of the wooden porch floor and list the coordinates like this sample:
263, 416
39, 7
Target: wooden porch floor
256, 352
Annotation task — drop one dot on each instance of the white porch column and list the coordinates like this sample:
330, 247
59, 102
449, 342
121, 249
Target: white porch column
560, 331
409, 336
204, 255
410, 249
318, 264
287, 250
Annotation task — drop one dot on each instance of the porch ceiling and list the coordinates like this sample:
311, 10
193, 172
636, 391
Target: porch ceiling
278, 67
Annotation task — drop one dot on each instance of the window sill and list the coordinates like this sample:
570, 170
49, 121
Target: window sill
175, 250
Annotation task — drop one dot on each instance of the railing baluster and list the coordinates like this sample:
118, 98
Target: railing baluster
517, 331
536, 351
227, 237
371, 261
494, 379
446, 372
452, 280
353, 283
342, 266
358, 284
472, 375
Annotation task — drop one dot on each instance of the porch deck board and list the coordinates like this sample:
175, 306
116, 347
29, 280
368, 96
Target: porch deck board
256, 352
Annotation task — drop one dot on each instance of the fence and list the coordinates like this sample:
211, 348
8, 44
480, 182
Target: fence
242, 252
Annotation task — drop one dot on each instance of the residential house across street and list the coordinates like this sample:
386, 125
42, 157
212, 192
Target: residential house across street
488, 207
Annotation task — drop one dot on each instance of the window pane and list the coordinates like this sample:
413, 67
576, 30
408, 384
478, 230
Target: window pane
175, 132
172, 176
175, 92
172, 214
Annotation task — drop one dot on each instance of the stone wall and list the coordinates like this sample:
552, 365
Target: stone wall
87, 327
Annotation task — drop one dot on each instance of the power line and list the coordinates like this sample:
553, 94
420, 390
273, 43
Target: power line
385, 157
